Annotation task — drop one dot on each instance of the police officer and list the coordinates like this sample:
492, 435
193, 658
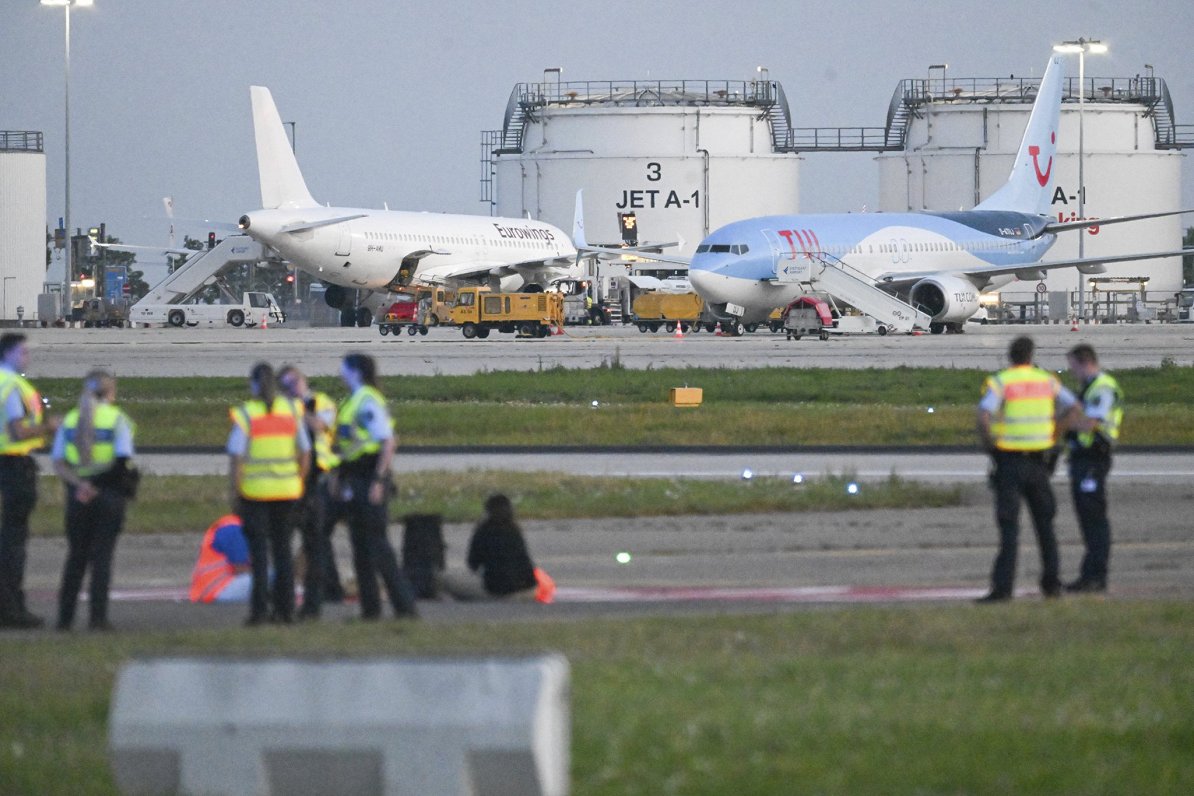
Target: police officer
269, 452
1093, 434
1017, 426
365, 441
91, 454
23, 429
313, 518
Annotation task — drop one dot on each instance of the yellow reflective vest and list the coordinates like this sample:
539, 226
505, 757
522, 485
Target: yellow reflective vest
352, 438
1108, 427
270, 470
34, 412
1025, 418
323, 442
103, 448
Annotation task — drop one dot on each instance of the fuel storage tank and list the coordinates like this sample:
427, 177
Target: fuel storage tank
22, 223
685, 156
960, 137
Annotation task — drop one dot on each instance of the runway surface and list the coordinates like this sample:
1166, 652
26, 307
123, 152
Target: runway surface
231, 352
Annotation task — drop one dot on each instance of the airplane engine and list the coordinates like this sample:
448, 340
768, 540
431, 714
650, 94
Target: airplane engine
949, 299
335, 296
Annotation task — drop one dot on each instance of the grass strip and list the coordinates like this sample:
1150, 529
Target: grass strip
1070, 697
765, 406
188, 504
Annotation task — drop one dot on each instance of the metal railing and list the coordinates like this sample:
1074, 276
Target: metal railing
21, 141
528, 98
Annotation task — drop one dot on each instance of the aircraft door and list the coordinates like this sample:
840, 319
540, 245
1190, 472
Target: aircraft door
345, 246
789, 265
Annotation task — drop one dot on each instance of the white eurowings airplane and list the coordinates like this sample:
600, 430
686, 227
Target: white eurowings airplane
352, 248
939, 262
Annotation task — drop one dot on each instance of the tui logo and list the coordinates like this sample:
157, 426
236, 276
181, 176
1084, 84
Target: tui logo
1035, 151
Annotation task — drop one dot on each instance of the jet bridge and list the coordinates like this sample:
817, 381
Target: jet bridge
203, 268
828, 274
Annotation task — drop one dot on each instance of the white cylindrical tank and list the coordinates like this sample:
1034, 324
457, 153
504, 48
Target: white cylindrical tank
22, 223
685, 157
960, 150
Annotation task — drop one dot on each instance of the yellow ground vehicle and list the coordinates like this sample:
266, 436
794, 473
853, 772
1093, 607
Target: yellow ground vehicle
436, 305
478, 312
655, 310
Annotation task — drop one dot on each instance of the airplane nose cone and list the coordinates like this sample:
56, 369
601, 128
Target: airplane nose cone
709, 284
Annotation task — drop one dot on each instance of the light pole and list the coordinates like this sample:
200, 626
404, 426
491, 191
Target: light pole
69, 275
1081, 46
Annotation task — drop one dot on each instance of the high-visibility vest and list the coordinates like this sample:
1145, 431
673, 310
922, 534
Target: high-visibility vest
270, 470
323, 442
352, 437
103, 448
213, 572
34, 413
1108, 427
1025, 419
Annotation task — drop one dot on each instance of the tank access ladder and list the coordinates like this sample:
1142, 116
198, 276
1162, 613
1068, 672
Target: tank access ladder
203, 268
828, 274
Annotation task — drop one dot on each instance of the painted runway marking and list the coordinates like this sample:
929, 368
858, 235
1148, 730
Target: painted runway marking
675, 594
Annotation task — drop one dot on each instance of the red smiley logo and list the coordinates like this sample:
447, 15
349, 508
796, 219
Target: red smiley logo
1034, 151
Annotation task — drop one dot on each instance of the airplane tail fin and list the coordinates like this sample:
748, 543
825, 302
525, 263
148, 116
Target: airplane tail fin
1029, 188
282, 183
578, 222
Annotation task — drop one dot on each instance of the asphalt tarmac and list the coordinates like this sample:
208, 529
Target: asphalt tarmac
756, 563
231, 352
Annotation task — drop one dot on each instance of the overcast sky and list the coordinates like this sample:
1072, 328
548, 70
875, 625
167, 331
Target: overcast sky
389, 98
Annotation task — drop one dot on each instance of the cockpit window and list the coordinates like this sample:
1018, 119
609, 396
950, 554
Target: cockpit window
723, 248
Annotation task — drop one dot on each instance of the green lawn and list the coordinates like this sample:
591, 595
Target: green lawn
765, 406
1076, 697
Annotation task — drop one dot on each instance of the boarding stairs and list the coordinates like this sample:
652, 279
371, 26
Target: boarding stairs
203, 268
824, 272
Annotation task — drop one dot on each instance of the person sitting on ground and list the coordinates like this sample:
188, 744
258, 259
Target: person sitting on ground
499, 565
222, 573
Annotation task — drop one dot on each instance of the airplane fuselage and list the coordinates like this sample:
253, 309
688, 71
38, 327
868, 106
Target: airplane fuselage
381, 248
742, 263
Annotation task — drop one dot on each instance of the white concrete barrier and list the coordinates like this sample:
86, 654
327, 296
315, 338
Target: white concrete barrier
483, 727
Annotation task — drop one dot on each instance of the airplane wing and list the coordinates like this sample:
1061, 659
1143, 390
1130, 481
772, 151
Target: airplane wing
1028, 271
129, 247
1062, 226
640, 253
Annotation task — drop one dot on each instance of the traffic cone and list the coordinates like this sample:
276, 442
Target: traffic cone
679, 335
1074, 325
264, 315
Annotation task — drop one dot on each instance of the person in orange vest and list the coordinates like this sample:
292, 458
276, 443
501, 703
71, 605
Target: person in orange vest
269, 452
1017, 424
222, 573
24, 428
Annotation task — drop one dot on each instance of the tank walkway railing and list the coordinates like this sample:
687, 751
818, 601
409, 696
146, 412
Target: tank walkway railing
528, 98
21, 141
